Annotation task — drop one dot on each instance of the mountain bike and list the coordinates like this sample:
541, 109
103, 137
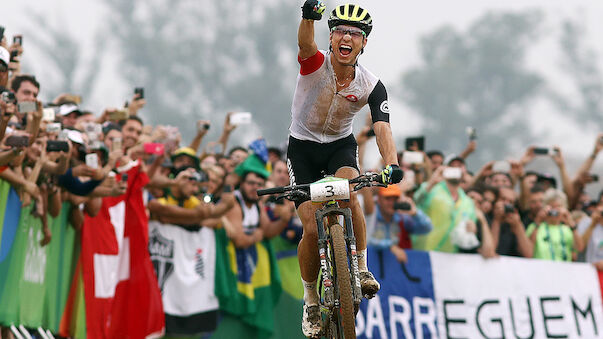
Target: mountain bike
339, 283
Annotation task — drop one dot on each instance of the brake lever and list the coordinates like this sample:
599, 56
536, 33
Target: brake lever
282, 196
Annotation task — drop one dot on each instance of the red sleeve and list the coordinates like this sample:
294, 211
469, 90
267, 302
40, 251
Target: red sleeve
3, 168
311, 64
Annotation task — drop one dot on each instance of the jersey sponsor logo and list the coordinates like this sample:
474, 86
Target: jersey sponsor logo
352, 98
384, 106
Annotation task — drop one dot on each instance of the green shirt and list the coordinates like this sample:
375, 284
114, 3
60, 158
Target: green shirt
553, 242
445, 214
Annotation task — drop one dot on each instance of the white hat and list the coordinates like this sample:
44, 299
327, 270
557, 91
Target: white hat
75, 136
66, 109
4, 55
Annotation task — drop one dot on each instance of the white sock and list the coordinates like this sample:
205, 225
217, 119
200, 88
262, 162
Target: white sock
310, 293
362, 260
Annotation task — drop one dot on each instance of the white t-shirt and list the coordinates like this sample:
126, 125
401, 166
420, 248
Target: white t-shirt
320, 113
594, 247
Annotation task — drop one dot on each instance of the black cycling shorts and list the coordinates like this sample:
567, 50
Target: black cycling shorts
309, 161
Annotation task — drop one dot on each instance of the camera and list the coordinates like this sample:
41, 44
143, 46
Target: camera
27, 106
18, 39
9, 97
594, 177
509, 208
402, 206
553, 213
199, 176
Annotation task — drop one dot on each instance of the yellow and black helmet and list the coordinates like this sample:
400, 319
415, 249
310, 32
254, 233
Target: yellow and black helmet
351, 15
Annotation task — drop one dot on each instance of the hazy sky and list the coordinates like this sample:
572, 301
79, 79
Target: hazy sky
392, 46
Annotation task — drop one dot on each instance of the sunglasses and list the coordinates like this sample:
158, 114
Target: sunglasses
341, 32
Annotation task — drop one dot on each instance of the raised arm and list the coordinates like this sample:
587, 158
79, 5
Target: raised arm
311, 10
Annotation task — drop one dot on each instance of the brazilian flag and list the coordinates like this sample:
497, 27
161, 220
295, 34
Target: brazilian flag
248, 286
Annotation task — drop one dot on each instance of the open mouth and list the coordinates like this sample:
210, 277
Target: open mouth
345, 50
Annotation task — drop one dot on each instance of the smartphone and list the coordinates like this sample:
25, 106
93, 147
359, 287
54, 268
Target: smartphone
412, 157
53, 127
412, 141
116, 144
471, 132
9, 97
370, 133
13, 55
18, 39
544, 151
1, 32
240, 118
202, 127
48, 114
93, 130
501, 166
154, 148
452, 173
124, 177
17, 141
118, 115
92, 160
402, 206
594, 177
26, 106
140, 92
57, 146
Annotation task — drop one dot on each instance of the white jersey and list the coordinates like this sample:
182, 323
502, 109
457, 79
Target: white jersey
319, 112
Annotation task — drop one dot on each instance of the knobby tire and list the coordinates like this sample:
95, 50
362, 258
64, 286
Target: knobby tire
343, 283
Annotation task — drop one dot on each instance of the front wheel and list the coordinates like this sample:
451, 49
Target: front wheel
343, 284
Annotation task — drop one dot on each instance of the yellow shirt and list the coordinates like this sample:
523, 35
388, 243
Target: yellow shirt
189, 203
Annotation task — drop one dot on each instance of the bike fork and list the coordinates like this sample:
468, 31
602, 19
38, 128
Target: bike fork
325, 265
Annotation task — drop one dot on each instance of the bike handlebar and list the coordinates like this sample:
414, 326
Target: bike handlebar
273, 190
362, 181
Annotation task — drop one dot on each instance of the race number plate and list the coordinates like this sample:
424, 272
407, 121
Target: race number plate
330, 189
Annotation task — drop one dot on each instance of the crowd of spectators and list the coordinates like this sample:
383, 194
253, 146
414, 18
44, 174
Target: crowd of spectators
59, 152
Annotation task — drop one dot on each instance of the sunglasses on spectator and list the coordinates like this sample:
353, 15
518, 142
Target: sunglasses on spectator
341, 32
254, 183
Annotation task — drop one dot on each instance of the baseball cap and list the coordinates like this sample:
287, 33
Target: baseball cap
186, 151
390, 191
453, 157
4, 55
66, 109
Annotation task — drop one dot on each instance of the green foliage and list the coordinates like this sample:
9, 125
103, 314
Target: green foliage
476, 78
200, 59
580, 63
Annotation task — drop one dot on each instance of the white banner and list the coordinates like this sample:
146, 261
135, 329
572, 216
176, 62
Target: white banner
515, 298
185, 263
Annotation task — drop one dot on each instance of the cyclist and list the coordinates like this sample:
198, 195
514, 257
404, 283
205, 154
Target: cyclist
331, 88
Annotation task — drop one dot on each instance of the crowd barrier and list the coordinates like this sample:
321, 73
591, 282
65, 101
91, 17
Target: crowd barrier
435, 295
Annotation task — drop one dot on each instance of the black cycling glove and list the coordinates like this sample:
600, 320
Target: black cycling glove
313, 9
392, 174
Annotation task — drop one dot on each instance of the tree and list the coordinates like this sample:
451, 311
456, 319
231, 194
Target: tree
579, 61
200, 59
71, 72
476, 78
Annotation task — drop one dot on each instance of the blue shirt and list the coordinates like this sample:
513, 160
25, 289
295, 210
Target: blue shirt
383, 234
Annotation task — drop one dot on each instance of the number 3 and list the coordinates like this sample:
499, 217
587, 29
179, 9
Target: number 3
330, 189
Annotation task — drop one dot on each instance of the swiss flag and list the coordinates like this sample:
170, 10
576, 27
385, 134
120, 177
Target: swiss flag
123, 299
